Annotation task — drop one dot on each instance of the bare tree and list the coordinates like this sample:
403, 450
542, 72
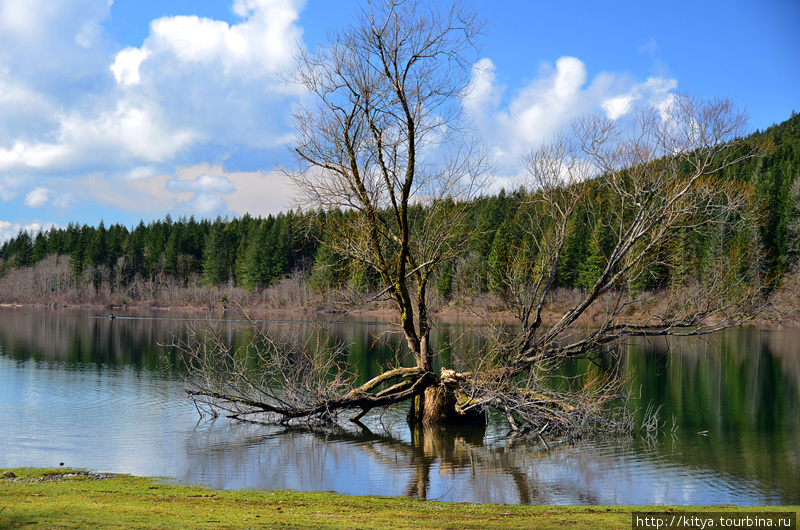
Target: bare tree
657, 178
383, 140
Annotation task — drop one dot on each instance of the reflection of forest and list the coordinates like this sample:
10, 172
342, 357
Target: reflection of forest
136, 335
67, 335
743, 386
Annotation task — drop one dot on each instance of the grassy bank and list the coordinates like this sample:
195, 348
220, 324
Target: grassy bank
37, 498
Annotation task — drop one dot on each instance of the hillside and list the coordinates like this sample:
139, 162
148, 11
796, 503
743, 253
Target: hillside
284, 260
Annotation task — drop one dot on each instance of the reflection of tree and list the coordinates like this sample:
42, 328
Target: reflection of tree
458, 452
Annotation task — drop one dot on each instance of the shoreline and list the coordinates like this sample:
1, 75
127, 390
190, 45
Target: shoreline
777, 320
77, 498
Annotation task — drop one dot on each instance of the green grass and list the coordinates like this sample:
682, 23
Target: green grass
40, 498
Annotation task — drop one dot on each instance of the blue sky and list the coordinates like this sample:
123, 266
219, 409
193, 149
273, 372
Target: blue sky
131, 109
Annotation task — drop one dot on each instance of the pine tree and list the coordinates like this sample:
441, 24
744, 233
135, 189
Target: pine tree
24, 250
135, 250
216, 260
40, 248
97, 250
599, 243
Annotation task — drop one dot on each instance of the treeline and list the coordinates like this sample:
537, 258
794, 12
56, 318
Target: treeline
252, 253
248, 252
775, 179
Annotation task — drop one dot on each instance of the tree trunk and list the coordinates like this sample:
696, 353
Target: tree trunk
438, 405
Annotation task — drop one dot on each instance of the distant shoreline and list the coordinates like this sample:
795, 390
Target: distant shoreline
785, 311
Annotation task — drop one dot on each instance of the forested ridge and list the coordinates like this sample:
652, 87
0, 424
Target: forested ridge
253, 252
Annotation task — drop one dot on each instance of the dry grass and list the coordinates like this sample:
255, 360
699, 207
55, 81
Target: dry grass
51, 282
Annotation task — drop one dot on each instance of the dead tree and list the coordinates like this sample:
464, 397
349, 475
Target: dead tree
382, 136
387, 105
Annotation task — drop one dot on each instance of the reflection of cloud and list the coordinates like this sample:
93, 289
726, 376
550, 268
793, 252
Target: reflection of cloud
558, 94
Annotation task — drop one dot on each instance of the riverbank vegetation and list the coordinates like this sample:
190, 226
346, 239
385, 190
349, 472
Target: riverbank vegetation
38, 498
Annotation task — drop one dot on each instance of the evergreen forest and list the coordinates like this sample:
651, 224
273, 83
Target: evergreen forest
252, 253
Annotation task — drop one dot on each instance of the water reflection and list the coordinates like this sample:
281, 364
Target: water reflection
441, 464
97, 394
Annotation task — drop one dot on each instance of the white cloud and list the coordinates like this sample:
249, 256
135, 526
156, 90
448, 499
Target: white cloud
112, 139
90, 125
483, 93
64, 201
201, 189
38, 197
558, 94
203, 183
5, 228
653, 92
141, 172
10, 229
126, 65
193, 83
203, 204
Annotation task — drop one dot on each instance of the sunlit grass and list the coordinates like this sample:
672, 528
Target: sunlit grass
39, 498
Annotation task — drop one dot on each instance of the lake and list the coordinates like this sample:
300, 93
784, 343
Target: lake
102, 395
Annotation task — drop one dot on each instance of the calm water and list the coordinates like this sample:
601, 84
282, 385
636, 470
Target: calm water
97, 394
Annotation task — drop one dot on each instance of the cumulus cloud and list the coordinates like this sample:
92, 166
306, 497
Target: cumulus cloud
558, 94
220, 81
110, 140
194, 83
201, 189
126, 66
483, 94
38, 197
